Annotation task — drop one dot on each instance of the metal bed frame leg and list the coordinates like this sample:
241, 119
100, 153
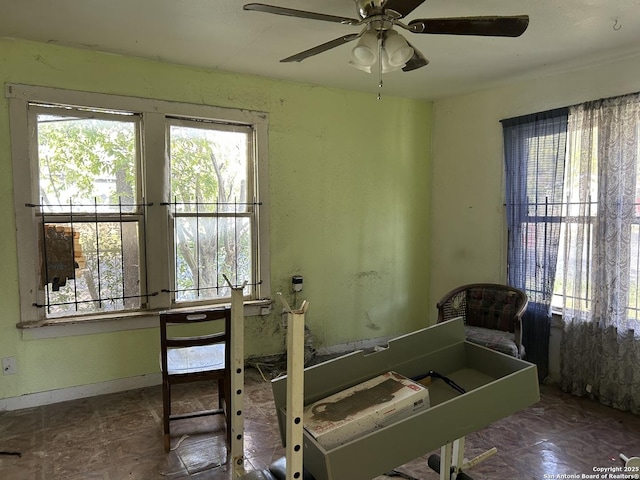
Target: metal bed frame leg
446, 461
295, 400
295, 389
457, 458
451, 463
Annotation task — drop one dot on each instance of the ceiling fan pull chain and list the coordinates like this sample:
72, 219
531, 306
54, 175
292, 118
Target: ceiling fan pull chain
380, 83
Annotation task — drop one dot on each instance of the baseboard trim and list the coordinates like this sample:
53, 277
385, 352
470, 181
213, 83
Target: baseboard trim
364, 345
38, 399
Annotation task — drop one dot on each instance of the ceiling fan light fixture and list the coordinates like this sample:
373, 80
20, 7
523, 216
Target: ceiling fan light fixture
364, 68
365, 52
397, 49
385, 65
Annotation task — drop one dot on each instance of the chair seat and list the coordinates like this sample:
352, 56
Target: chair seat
195, 359
495, 339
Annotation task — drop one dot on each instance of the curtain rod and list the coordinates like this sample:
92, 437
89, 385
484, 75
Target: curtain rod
561, 110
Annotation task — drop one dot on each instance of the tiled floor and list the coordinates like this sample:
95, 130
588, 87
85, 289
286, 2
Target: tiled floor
119, 436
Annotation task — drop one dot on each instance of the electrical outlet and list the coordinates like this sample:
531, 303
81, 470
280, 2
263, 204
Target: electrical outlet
9, 366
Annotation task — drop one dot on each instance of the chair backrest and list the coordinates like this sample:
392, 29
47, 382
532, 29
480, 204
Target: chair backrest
487, 305
216, 317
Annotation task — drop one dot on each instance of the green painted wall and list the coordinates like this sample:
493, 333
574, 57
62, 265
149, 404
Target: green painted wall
468, 217
349, 188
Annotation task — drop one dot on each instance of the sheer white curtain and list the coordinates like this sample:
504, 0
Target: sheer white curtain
599, 253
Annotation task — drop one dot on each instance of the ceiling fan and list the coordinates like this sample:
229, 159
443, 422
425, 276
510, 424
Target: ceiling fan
379, 43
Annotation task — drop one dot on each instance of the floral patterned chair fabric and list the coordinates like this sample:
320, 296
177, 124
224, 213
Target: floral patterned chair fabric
492, 314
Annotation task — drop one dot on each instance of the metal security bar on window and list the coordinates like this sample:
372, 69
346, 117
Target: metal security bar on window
213, 240
91, 260
578, 219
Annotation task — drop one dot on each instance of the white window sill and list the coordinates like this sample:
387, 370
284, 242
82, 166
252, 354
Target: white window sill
69, 327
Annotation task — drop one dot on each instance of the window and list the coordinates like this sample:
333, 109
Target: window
211, 208
89, 210
573, 190
128, 205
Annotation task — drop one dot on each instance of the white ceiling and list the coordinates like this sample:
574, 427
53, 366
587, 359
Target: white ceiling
219, 34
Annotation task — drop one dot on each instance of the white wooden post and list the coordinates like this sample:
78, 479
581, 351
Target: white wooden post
237, 379
295, 389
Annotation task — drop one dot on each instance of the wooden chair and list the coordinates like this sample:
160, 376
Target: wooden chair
492, 314
193, 358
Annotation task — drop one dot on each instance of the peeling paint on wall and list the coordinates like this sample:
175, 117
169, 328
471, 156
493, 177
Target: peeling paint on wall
369, 324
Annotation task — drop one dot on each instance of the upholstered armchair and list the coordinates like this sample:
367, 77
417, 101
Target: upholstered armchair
492, 315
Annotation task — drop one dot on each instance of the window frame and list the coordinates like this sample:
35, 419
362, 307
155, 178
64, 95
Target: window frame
250, 212
81, 215
154, 180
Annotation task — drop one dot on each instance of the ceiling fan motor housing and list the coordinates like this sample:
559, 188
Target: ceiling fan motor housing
367, 8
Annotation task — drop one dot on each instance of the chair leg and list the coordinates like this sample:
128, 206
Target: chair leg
221, 392
166, 413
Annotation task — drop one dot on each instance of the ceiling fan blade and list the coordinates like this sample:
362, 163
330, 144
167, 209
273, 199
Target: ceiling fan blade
418, 60
298, 57
495, 26
403, 7
290, 12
